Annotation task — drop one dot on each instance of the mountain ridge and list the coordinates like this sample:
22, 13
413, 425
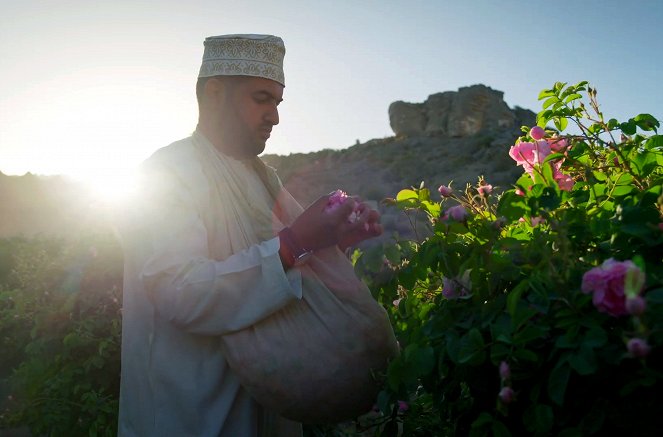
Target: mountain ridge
452, 136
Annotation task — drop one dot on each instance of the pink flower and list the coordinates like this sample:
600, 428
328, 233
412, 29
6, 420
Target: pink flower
607, 284
450, 289
530, 154
455, 288
485, 189
638, 347
506, 395
537, 133
505, 371
445, 191
520, 192
336, 199
458, 213
558, 144
403, 406
397, 302
564, 181
532, 221
636, 305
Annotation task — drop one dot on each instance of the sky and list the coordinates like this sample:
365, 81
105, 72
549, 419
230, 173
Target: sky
91, 88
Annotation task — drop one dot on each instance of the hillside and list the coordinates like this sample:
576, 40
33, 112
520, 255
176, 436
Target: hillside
452, 136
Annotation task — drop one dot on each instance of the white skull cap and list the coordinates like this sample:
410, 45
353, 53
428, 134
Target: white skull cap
244, 55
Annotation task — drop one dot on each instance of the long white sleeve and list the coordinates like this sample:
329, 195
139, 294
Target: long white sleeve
198, 294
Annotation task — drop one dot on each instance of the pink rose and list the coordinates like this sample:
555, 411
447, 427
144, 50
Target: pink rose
505, 371
558, 144
485, 190
337, 199
636, 305
606, 283
564, 181
506, 395
638, 347
450, 289
530, 154
445, 191
458, 213
537, 133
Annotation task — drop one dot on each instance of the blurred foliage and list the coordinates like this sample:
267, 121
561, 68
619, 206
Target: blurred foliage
60, 318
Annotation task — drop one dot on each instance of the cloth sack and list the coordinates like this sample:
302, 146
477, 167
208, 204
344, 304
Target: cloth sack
316, 360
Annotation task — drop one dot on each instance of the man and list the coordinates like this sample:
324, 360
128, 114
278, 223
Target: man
206, 254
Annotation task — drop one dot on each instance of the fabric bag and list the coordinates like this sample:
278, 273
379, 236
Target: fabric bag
316, 360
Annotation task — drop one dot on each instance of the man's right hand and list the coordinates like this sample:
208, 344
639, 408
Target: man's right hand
316, 228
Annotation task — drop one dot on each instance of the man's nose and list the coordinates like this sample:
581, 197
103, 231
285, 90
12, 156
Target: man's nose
272, 116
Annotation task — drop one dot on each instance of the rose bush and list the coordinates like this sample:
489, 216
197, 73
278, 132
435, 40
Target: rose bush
537, 310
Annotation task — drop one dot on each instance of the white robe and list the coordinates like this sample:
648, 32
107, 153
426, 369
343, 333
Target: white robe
178, 300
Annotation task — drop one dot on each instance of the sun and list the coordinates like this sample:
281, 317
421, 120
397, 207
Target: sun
109, 186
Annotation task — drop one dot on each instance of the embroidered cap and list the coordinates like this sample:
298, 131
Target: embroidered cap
244, 55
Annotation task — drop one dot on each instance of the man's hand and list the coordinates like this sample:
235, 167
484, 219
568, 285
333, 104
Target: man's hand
368, 226
316, 228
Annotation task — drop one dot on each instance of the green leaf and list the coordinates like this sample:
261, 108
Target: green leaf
557, 383
595, 337
646, 122
628, 127
500, 430
512, 206
654, 142
561, 123
654, 296
471, 348
546, 93
526, 355
514, 296
392, 253
550, 101
529, 333
583, 361
423, 360
405, 195
572, 97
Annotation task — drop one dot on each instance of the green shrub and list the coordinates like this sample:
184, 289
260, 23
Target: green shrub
524, 282
62, 314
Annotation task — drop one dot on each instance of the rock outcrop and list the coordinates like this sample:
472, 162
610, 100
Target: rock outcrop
463, 113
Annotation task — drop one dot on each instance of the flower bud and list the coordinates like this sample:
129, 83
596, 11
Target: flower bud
537, 133
505, 370
636, 305
506, 395
445, 191
403, 406
638, 347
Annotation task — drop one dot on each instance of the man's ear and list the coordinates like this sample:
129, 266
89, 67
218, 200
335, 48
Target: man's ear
213, 91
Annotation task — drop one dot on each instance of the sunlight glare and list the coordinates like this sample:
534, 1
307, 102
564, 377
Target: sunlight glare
110, 186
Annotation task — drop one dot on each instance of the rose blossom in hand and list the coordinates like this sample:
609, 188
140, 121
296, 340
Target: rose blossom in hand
338, 198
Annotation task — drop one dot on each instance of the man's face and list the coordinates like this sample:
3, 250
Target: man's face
248, 113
